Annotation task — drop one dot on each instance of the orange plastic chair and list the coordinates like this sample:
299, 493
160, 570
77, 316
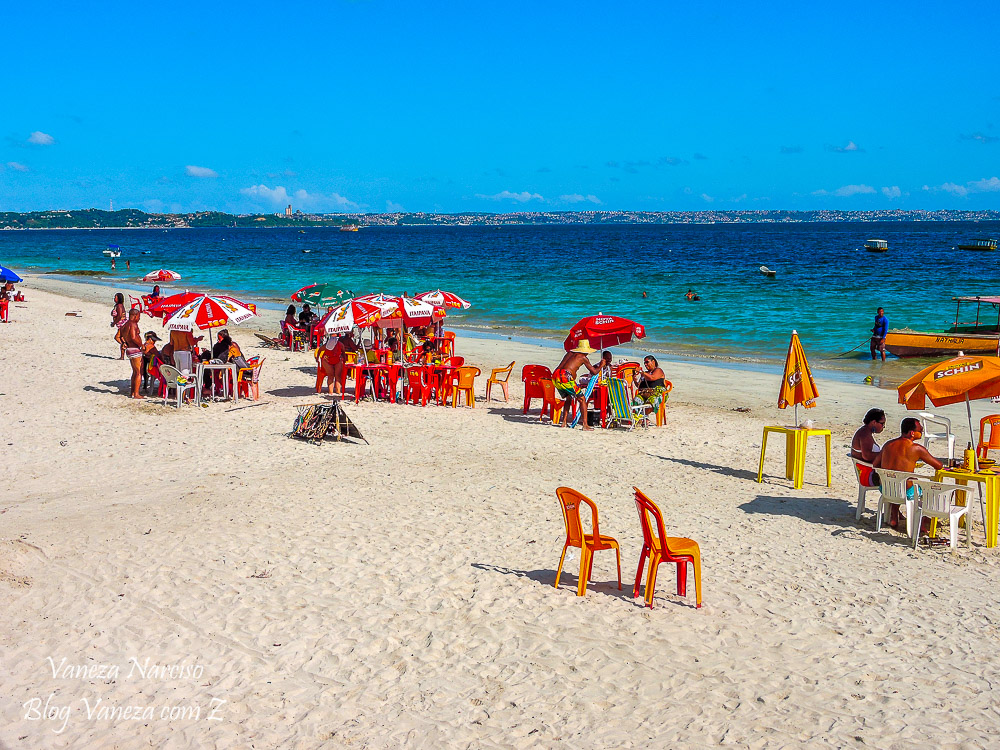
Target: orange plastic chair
627, 370
551, 404
661, 413
464, 383
660, 548
500, 376
533, 375
249, 385
993, 444
588, 544
448, 343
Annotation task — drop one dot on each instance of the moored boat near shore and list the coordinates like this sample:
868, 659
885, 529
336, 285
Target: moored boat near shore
981, 245
975, 337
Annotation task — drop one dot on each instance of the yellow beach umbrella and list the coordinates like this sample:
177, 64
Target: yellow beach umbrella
797, 384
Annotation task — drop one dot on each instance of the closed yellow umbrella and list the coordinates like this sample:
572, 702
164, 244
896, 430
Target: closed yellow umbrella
797, 384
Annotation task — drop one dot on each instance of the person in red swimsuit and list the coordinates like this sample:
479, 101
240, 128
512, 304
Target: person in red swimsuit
330, 357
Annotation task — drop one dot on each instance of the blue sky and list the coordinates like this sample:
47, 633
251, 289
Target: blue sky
486, 106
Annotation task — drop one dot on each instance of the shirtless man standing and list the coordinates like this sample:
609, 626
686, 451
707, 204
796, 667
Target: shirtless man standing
564, 378
133, 349
902, 454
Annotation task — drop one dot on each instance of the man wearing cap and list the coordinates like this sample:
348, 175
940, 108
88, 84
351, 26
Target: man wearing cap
148, 352
564, 378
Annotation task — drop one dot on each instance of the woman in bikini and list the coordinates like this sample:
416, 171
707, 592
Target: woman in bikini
330, 357
119, 317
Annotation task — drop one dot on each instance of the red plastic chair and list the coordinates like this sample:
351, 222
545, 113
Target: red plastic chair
993, 443
448, 343
588, 544
417, 386
456, 361
532, 376
660, 548
248, 379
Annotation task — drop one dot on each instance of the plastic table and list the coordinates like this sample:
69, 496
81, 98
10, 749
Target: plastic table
211, 366
991, 489
795, 452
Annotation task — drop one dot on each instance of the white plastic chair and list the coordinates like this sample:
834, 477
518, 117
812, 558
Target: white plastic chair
937, 500
184, 361
863, 489
170, 375
894, 493
928, 419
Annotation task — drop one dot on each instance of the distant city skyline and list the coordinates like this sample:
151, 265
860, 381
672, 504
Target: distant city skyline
367, 106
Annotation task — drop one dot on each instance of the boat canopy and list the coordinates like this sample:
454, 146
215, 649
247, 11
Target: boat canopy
988, 300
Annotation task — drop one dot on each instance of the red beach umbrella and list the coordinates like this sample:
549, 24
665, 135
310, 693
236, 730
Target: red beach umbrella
443, 299
603, 331
343, 318
210, 311
167, 306
162, 275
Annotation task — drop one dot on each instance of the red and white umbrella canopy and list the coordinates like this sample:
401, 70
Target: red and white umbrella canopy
603, 331
439, 298
162, 275
344, 318
164, 307
210, 311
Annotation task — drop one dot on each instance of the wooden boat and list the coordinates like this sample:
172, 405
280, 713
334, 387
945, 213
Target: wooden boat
876, 246
982, 245
980, 336
768, 272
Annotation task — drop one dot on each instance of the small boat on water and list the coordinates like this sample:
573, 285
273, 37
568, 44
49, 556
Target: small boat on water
979, 336
876, 246
982, 245
307, 251
113, 251
349, 228
768, 272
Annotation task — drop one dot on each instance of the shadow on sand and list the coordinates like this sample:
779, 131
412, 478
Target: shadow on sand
568, 580
724, 470
102, 356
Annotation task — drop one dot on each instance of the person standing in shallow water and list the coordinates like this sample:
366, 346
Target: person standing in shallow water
879, 331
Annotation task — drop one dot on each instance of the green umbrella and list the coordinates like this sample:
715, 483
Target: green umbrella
320, 295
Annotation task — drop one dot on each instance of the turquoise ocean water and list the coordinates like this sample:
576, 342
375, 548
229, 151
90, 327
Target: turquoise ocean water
537, 281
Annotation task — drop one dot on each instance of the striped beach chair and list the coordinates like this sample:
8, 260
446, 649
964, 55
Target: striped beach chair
622, 410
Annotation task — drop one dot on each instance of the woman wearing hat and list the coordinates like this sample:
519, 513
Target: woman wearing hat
148, 352
564, 378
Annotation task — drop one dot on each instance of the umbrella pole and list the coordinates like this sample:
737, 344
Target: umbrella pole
975, 464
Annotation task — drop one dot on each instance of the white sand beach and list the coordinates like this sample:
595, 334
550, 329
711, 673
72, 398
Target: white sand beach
400, 593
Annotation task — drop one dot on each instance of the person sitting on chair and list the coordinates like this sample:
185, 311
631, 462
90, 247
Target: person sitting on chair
902, 454
148, 355
290, 319
863, 445
651, 385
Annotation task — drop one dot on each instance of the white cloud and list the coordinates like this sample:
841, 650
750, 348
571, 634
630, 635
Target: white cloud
707, 198
577, 198
851, 147
507, 195
38, 138
992, 185
892, 192
951, 187
202, 172
847, 191
393, 207
17, 166
279, 197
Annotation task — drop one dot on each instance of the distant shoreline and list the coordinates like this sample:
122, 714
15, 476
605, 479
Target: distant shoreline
135, 219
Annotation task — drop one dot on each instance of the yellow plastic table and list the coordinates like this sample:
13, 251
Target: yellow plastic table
795, 452
991, 488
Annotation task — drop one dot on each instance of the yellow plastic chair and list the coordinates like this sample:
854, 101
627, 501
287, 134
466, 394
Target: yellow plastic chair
588, 544
465, 383
500, 376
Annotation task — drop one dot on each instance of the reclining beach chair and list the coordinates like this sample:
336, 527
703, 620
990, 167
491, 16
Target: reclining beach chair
622, 410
